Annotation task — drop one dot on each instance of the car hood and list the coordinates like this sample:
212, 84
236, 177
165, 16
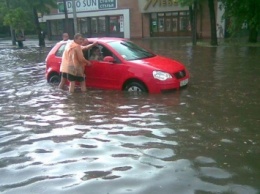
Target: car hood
161, 63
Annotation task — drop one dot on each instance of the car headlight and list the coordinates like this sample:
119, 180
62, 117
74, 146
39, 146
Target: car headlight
161, 75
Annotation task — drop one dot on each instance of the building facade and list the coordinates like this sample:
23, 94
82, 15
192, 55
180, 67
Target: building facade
124, 18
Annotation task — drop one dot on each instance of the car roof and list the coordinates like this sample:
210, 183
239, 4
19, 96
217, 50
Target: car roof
106, 39
99, 39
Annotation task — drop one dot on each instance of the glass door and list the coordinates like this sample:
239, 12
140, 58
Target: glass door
168, 24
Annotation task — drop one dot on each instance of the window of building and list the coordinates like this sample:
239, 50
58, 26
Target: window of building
94, 26
83, 25
184, 21
101, 24
154, 22
161, 22
56, 27
114, 23
170, 23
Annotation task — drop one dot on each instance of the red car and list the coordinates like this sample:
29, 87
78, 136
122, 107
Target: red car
124, 66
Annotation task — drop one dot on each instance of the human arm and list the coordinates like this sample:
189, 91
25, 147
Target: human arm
80, 57
89, 46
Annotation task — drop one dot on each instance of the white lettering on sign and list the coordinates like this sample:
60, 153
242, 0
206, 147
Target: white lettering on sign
91, 5
104, 6
83, 5
107, 1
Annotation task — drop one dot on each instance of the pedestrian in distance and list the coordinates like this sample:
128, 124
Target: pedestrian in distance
65, 37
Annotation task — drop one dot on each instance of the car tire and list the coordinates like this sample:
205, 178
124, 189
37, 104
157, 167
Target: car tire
54, 79
135, 87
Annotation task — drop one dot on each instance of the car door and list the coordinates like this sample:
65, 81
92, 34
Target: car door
106, 75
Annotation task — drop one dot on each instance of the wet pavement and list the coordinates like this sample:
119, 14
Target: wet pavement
203, 139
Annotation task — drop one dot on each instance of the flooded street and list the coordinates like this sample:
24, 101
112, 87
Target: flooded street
203, 139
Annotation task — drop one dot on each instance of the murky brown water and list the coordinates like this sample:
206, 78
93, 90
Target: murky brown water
200, 140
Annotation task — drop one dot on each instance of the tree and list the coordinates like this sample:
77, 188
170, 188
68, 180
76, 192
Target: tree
16, 18
31, 9
214, 39
193, 17
4, 9
40, 6
193, 10
243, 13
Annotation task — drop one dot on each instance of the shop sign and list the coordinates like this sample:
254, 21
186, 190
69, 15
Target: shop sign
121, 21
153, 6
88, 5
160, 3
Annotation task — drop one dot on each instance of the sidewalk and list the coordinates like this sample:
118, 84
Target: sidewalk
7, 43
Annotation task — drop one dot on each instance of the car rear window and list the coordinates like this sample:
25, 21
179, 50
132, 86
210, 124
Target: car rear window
60, 50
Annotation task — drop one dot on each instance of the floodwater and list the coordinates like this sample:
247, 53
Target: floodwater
203, 139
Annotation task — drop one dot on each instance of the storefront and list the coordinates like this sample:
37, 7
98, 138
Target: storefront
95, 18
119, 18
166, 18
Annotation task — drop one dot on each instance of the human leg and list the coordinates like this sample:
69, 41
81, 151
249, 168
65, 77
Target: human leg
83, 86
62, 82
72, 86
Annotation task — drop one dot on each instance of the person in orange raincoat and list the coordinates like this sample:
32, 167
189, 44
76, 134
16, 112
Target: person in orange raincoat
73, 64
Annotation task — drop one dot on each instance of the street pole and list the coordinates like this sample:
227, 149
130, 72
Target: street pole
194, 24
66, 17
74, 17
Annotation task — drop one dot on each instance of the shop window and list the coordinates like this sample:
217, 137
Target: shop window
83, 25
114, 23
161, 24
160, 14
174, 24
154, 22
175, 13
101, 24
184, 23
168, 24
94, 26
56, 27
183, 13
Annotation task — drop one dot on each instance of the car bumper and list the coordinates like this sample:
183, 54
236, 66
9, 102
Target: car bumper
168, 85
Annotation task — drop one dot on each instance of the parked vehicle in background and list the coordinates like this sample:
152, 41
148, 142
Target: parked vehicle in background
124, 66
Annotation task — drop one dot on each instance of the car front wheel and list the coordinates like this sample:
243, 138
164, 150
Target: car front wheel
54, 79
135, 87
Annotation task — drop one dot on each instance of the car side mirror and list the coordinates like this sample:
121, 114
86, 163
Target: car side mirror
109, 59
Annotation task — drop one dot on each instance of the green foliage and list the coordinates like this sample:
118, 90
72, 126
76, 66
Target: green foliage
17, 18
20, 13
242, 13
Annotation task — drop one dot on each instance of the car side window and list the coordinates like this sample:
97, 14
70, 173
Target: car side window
60, 50
86, 53
106, 52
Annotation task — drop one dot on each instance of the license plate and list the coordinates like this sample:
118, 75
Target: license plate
184, 82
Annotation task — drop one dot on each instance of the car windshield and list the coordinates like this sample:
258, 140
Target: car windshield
130, 51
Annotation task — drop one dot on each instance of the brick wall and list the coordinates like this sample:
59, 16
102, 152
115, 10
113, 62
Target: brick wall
135, 16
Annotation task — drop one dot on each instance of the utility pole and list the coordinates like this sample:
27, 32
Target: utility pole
194, 24
66, 16
74, 17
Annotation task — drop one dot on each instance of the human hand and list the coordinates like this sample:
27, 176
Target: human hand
89, 63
